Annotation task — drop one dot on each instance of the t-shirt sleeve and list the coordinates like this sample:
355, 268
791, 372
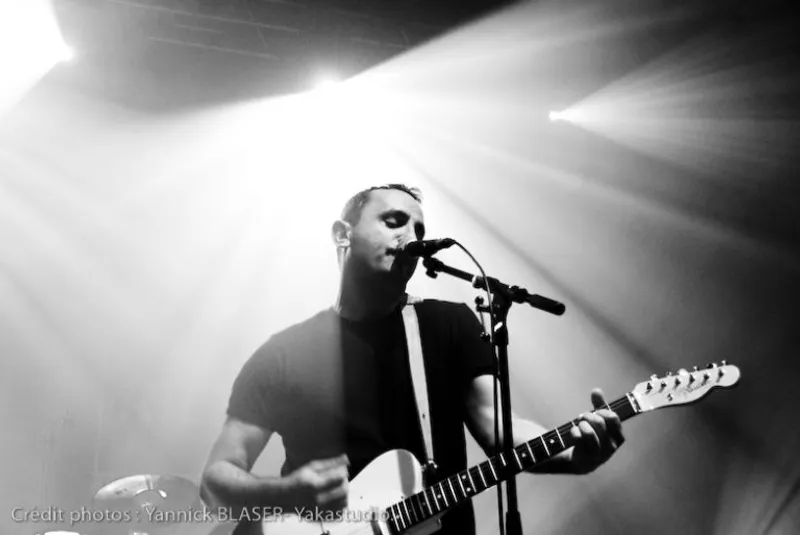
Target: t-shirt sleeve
257, 392
476, 357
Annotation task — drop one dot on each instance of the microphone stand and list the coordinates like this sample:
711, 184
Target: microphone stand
503, 296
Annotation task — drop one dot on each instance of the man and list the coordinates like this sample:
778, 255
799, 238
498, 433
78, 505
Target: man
337, 386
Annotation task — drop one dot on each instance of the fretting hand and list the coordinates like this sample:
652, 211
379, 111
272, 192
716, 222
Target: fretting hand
597, 436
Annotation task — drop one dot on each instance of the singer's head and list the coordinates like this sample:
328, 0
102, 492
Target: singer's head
374, 222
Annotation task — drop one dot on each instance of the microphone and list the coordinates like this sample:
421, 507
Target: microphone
425, 248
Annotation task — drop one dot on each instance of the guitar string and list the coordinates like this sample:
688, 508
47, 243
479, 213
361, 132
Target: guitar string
409, 502
560, 432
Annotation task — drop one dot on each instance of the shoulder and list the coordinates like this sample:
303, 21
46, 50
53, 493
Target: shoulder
320, 323
287, 340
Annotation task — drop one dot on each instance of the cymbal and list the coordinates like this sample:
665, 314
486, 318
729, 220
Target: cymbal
162, 492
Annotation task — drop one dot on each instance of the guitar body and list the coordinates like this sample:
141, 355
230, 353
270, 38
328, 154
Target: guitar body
394, 481
390, 478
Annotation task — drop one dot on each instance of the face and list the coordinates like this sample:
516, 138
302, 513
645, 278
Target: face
389, 219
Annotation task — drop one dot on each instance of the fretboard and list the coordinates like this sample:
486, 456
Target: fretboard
462, 486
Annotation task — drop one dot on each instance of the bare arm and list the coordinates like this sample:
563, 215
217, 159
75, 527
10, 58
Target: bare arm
480, 422
227, 481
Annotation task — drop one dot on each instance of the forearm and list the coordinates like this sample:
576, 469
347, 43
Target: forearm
481, 421
225, 485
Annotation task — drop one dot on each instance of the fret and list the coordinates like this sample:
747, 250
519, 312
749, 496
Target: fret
443, 495
399, 517
480, 473
460, 484
519, 461
416, 508
425, 495
413, 513
453, 492
485, 481
541, 439
408, 515
494, 474
533, 457
551, 440
424, 506
433, 497
472, 483
563, 446
419, 505
431, 500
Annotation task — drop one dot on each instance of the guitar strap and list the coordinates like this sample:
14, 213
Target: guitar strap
417, 365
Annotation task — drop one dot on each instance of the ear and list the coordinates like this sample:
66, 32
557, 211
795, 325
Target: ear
341, 232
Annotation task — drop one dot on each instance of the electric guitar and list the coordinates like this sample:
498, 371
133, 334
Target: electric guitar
388, 497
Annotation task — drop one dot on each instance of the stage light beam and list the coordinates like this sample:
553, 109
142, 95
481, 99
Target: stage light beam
571, 115
31, 45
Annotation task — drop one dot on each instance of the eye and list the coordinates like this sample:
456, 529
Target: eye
395, 220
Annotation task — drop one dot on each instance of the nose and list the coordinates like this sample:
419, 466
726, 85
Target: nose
408, 235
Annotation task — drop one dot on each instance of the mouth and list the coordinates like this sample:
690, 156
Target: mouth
399, 258
396, 251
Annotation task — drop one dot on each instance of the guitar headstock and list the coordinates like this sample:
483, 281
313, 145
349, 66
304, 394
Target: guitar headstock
685, 386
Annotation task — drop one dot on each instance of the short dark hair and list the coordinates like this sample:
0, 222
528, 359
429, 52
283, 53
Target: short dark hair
353, 207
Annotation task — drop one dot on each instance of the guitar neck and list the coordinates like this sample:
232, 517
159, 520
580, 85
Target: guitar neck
462, 486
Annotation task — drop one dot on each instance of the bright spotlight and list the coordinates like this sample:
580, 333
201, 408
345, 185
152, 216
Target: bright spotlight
66, 54
572, 115
30, 45
325, 81
325, 85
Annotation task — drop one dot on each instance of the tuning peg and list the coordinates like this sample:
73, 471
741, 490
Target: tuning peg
694, 368
724, 362
653, 377
649, 386
720, 373
669, 373
663, 384
677, 381
706, 377
691, 379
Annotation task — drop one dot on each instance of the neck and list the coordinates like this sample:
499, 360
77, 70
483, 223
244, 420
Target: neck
364, 298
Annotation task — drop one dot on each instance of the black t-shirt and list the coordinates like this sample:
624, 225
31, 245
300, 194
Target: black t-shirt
329, 386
